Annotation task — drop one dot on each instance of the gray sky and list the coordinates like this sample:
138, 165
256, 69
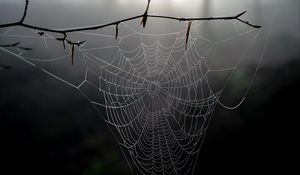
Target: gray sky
279, 19
75, 13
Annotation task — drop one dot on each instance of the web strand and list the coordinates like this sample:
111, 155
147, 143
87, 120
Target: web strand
157, 98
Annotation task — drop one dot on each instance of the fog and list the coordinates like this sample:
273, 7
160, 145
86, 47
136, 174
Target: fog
49, 127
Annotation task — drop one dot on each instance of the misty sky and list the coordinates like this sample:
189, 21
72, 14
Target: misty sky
75, 13
280, 31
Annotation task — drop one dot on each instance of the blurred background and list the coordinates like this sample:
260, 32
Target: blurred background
47, 127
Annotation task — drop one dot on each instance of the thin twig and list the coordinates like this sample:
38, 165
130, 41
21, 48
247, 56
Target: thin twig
188, 34
21, 22
144, 17
10, 45
73, 44
25, 11
117, 31
16, 45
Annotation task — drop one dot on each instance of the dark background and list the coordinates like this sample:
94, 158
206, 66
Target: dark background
39, 138
48, 128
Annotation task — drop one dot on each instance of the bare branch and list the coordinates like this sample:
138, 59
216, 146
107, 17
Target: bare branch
208, 19
21, 23
144, 17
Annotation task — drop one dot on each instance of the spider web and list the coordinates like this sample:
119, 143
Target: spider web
156, 94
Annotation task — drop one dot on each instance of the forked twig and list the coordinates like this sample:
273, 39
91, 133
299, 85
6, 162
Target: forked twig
21, 22
144, 17
16, 45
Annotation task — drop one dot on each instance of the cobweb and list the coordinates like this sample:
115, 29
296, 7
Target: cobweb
156, 94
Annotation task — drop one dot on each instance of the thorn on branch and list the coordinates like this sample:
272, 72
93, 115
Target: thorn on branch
145, 15
73, 44
188, 34
16, 45
117, 31
73, 48
41, 33
10, 45
144, 20
63, 40
241, 14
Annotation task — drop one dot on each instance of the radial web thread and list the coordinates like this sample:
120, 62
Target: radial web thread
154, 93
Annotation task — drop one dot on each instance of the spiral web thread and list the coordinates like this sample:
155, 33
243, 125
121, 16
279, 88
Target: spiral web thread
154, 93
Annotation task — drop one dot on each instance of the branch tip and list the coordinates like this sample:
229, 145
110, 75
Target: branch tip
117, 31
188, 34
73, 44
15, 44
241, 14
25, 12
145, 15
